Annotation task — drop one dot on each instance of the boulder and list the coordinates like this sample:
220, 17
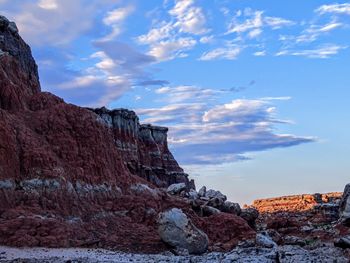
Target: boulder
216, 202
193, 195
215, 194
177, 230
176, 188
250, 215
344, 206
264, 240
202, 191
232, 208
294, 240
209, 210
343, 242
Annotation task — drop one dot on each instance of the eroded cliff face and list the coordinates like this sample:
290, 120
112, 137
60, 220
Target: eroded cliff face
144, 148
74, 177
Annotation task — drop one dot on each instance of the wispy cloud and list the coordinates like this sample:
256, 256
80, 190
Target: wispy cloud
334, 9
230, 52
324, 51
254, 21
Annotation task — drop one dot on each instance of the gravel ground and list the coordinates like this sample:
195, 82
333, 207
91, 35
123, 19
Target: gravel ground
282, 254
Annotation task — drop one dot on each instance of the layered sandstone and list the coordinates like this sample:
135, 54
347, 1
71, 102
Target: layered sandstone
144, 148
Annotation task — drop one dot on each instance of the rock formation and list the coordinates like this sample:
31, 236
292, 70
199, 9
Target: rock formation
144, 148
294, 202
77, 177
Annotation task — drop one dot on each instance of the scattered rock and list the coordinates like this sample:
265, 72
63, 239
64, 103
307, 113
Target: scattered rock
193, 195
250, 215
176, 188
209, 210
264, 240
343, 242
177, 230
211, 194
232, 208
293, 240
202, 191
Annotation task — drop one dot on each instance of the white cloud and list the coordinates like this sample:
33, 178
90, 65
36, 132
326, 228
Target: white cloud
115, 19
315, 31
334, 8
117, 15
186, 93
170, 49
254, 21
229, 52
156, 34
190, 18
170, 39
206, 39
324, 51
255, 33
260, 53
277, 22
249, 24
48, 4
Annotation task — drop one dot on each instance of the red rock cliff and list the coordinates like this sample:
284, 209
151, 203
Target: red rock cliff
70, 177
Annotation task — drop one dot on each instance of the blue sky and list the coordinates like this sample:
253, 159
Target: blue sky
256, 93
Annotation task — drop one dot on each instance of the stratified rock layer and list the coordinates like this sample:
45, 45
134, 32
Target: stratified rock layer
74, 177
294, 202
144, 148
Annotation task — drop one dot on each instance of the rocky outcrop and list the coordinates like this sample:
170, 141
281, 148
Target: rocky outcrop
144, 148
74, 177
19, 78
345, 206
294, 202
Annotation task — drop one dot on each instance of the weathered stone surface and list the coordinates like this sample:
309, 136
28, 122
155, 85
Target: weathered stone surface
232, 208
250, 215
176, 188
177, 230
19, 78
264, 240
345, 206
144, 148
202, 191
209, 210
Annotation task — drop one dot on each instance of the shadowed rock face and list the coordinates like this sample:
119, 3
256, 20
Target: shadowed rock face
18, 71
144, 148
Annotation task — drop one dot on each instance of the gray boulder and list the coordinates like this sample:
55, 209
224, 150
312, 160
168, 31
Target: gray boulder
193, 195
250, 215
264, 240
176, 188
215, 194
232, 208
344, 206
177, 230
209, 210
202, 191
343, 242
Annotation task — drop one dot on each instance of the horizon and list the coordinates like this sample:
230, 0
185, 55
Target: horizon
255, 95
